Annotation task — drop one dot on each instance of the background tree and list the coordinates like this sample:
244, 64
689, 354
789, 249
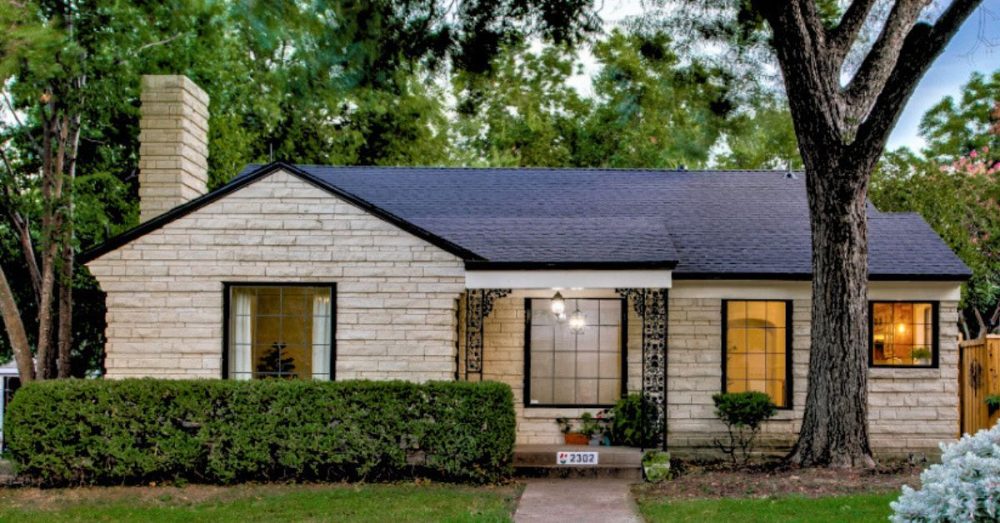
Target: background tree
647, 108
954, 183
330, 81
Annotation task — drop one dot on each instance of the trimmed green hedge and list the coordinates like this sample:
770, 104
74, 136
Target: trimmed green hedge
217, 431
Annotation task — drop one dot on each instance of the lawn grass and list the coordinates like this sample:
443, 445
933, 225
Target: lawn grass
398, 503
854, 508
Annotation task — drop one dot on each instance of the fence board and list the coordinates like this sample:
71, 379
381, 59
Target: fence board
979, 377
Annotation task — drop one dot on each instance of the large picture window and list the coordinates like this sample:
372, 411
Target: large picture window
903, 334
280, 331
575, 367
757, 348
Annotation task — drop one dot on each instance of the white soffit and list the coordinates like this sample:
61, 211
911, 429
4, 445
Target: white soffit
568, 279
802, 290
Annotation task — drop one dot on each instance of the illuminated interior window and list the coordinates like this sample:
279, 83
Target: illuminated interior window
280, 332
902, 334
757, 349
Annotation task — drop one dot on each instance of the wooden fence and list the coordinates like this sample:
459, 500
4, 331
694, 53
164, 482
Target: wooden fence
979, 377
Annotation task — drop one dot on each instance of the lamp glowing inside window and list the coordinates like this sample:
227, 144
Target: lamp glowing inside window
903, 334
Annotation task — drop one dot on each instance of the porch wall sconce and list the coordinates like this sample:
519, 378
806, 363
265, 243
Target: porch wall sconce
559, 306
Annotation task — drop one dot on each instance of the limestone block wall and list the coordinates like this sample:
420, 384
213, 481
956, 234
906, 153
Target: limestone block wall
396, 294
910, 410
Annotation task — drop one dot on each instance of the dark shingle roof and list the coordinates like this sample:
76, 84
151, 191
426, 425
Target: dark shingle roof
710, 223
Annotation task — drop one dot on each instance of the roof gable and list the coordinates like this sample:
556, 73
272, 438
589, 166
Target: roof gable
249, 176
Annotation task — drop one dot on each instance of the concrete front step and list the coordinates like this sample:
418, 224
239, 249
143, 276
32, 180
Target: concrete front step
612, 462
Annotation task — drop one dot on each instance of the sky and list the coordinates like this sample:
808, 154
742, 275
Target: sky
976, 47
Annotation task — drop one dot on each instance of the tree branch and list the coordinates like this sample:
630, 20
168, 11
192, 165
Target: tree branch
15, 330
811, 82
921, 47
20, 225
964, 325
994, 318
840, 39
875, 70
165, 41
982, 324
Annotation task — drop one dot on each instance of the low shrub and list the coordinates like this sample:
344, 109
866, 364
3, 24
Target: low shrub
965, 486
742, 413
633, 422
220, 431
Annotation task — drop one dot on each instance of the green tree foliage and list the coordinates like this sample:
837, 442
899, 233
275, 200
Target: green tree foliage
954, 128
761, 136
653, 111
341, 82
648, 108
955, 185
523, 114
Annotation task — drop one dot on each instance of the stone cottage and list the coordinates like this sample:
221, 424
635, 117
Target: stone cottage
573, 286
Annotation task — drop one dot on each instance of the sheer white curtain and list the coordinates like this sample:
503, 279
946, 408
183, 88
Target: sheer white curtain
321, 336
241, 355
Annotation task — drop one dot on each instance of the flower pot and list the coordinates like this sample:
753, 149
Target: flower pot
575, 438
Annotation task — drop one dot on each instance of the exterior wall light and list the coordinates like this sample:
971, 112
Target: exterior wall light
558, 305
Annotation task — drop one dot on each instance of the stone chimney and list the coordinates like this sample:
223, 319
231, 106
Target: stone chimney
173, 144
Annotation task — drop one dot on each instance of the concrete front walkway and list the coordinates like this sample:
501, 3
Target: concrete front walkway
577, 500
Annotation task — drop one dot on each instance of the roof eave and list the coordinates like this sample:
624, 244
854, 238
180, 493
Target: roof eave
800, 276
487, 265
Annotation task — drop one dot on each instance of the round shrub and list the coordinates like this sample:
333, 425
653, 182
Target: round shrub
965, 486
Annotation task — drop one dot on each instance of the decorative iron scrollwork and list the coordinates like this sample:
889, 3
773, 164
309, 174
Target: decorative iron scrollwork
651, 306
478, 305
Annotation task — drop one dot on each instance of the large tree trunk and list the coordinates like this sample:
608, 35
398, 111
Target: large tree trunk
835, 426
15, 330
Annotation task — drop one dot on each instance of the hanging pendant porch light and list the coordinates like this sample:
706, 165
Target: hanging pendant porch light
577, 322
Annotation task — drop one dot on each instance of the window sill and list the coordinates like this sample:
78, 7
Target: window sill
548, 412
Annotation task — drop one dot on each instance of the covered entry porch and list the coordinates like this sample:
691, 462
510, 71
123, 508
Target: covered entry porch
567, 343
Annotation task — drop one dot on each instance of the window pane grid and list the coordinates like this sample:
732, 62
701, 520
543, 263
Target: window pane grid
568, 368
902, 334
756, 348
272, 332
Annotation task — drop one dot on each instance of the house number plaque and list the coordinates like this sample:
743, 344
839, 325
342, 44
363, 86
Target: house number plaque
576, 458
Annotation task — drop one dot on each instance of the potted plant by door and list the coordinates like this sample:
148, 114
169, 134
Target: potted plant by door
581, 435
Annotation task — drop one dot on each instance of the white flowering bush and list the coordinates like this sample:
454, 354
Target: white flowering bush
965, 486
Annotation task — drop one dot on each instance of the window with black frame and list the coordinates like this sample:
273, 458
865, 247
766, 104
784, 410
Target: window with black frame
280, 331
903, 334
576, 358
757, 348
